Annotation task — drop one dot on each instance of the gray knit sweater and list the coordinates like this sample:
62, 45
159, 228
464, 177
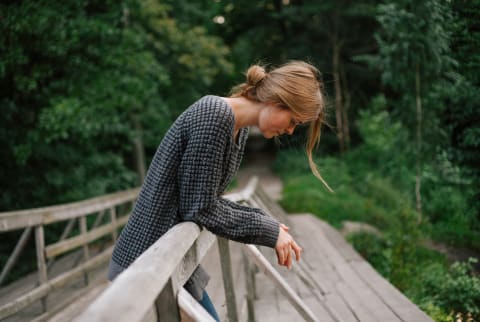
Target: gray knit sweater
191, 169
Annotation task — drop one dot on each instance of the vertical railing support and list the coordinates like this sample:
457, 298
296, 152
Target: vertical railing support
86, 251
228, 279
42, 266
166, 304
113, 220
16, 253
250, 286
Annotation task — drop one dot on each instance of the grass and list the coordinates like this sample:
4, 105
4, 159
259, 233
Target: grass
364, 192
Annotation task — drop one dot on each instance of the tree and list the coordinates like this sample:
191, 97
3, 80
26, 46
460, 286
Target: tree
81, 82
414, 56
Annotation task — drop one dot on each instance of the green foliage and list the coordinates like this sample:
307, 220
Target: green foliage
364, 192
456, 289
76, 78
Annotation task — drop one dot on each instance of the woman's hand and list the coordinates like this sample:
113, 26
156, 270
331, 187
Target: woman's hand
285, 245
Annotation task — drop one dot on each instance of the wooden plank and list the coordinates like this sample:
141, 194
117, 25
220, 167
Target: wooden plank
166, 304
15, 254
41, 264
32, 217
77, 241
190, 308
337, 240
191, 259
113, 220
369, 299
338, 309
292, 297
398, 302
86, 250
64, 235
228, 279
74, 305
319, 310
58, 282
141, 283
360, 311
249, 271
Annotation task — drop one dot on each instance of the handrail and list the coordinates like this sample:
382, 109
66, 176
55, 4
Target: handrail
145, 278
12, 220
153, 281
37, 219
156, 278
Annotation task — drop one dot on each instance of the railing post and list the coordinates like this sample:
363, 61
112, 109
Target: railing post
250, 286
86, 251
42, 266
166, 304
64, 235
228, 279
113, 220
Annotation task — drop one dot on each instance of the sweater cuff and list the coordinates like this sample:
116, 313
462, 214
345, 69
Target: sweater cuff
270, 231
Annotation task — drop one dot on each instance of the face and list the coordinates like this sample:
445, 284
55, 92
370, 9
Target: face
275, 120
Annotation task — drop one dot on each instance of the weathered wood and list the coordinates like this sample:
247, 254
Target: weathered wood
64, 235
191, 309
167, 308
36, 294
369, 298
292, 297
144, 279
398, 302
86, 250
15, 254
42, 266
77, 241
338, 308
113, 220
355, 303
337, 240
228, 279
32, 217
250, 281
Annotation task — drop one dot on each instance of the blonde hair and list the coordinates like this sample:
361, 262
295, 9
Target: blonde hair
296, 85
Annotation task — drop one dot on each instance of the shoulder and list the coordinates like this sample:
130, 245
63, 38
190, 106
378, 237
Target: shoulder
211, 112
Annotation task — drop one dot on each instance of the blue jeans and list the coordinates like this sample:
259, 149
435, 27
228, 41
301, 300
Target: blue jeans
207, 304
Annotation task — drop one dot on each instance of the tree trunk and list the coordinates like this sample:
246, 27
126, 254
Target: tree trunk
139, 151
346, 107
418, 144
338, 88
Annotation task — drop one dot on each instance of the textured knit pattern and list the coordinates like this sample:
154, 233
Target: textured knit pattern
191, 169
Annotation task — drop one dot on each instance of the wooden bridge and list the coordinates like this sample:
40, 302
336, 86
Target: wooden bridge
331, 283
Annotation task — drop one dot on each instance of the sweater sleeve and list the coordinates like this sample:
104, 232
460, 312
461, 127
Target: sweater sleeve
199, 177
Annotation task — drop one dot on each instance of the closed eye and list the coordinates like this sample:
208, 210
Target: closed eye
294, 122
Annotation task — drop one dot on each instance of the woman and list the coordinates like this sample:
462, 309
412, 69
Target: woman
201, 153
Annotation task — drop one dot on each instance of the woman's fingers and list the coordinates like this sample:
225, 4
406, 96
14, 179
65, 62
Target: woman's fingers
280, 256
288, 261
284, 247
297, 249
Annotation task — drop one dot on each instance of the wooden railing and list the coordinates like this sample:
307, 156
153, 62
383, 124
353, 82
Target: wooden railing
152, 287
97, 218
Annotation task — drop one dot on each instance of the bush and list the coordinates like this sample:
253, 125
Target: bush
456, 289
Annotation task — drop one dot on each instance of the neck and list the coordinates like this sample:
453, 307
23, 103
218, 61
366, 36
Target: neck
246, 111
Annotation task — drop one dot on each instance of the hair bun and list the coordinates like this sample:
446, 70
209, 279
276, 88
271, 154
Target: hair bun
255, 74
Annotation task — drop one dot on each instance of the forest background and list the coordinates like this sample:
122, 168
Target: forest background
88, 89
